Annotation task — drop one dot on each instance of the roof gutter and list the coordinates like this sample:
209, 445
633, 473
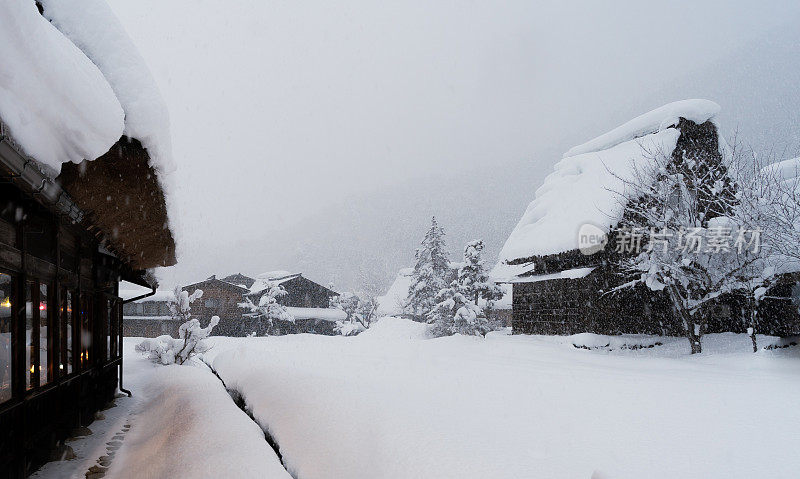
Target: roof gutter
24, 171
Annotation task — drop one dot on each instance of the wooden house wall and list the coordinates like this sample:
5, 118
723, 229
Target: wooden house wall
70, 379
219, 299
304, 293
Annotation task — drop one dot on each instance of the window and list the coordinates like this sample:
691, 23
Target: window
66, 332
109, 313
30, 350
6, 320
211, 303
85, 329
45, 373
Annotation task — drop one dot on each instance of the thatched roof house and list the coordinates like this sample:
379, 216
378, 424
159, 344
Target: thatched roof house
84, 160
557, 287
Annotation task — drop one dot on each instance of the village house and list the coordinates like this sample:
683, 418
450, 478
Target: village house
558, 288
70, 229
308, 303
148, 317
222, 298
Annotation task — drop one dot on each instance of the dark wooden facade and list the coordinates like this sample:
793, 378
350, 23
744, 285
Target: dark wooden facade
59, 329
222, 299
301, 293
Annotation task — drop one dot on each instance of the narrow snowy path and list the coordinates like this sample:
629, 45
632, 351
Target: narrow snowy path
179, 423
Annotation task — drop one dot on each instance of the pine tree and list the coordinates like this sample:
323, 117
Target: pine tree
430, 273
473, 281
456, 314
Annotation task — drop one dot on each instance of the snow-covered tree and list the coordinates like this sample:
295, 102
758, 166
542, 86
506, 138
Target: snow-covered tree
454, 313
431, 270
686, 214
473, 280
361, 313
268, 308
180, 305
191, 342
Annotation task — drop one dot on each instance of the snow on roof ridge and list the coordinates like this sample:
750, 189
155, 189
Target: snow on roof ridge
696, 110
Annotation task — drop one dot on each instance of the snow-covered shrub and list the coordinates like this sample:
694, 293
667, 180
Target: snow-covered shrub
190, 342
349, 328
361, 313
268, 309
430, 274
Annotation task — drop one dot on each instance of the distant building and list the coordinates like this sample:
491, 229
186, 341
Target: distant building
221, 298
149, 317
308, 302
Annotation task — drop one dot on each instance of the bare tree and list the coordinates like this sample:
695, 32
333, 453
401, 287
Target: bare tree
697, 244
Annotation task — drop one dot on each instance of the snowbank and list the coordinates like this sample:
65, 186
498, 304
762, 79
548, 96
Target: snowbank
698, 111
583, 189
395, 328
190, 427
57, 105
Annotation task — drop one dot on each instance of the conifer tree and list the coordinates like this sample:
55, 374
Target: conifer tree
473, 281
430, 275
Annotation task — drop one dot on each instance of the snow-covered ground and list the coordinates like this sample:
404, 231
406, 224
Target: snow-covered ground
391, 403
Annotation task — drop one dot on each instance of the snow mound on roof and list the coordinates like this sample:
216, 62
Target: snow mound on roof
93, 27
786, 170
583, 189
263, 280
395, 328
697, 110
392, 302
56, 103
322, 314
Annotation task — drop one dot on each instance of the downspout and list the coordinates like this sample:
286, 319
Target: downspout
126, 301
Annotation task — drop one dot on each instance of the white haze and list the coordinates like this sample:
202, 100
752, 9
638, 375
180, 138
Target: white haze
320, 136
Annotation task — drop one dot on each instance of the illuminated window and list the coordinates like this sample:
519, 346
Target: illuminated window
44, 325
6, 319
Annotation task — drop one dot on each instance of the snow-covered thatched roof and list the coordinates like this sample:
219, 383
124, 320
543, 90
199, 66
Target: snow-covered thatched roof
585, 186
73, 85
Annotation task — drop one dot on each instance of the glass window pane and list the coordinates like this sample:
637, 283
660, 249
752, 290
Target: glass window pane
67, 332
108, 328
6, 319
44, 370
86, 329
30, 365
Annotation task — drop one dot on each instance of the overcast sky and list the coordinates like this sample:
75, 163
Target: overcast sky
320, 136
